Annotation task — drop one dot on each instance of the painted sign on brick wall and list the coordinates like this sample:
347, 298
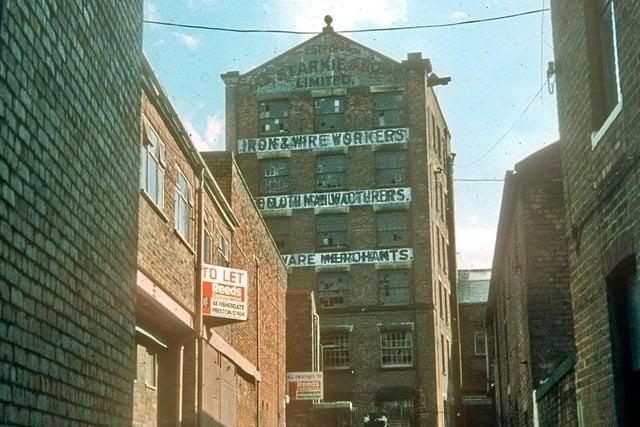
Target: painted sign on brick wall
336, 198
305, 385
224, 292
320, 141
367, 256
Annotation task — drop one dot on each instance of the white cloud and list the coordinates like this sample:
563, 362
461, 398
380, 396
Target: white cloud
475, 243
347, 14
189, 41
459, 15
151, 11
213, 137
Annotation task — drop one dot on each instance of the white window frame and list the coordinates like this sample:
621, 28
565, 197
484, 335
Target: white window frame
153, 150
182, 223
152, 356
597, 136
400, 347
223, 249
483, 337
343, 350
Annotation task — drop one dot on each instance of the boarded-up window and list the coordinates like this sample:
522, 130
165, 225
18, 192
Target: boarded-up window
329, 113
393, 286
392, 229
330, 172
335, 348
274, 117
390, 168
274, 176
333, 289
332, 231
388, 109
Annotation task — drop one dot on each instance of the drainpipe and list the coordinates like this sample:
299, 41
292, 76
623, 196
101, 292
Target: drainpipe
199, 330
256, 286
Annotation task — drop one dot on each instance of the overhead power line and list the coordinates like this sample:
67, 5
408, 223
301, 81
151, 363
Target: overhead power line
366, 30
478, 179
499, 141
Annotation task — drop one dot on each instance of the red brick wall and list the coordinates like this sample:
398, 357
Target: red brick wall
601, 188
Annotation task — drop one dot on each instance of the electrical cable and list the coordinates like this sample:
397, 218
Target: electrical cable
366, 30
486, 153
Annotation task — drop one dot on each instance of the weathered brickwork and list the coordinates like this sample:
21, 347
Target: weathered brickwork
231, 373
68, 207
529, 309
601, 184
556, 397
473, 294
358, 74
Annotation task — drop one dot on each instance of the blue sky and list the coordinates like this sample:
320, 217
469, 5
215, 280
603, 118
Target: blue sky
496, 68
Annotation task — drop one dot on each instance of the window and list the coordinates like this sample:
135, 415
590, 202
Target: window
335, 348
223, 250
396, 348
393, 287
329, 113
183, 207
479, 343
207, 250
392, 229
332, 231
443, 353
153, 166
274, 117
608, 61
390, 168
333, 289
624, 321
330, 172
150, 368
274, 176
279, 228
388, 109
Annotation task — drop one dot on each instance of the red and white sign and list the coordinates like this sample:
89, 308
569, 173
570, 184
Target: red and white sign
305, 385
224, 292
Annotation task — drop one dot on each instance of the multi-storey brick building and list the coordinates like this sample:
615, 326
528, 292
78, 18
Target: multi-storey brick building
529, 308
218, 371
473, 294
348, 155
68, 208
598, 86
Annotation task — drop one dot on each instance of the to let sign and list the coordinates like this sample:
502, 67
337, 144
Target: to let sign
305, 385
224, 292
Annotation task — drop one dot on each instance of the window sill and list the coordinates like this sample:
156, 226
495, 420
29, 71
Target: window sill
339, 370
184, 241
396, 368
597, 136
150, 387
153, 204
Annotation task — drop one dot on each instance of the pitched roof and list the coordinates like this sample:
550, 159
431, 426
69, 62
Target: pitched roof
473, 286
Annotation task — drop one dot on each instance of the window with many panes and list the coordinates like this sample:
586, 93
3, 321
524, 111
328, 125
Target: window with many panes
396, 348
392, 228
330, 172
329, 113
279, 228
393, 286
333, 289
274, 117
390, 168
208, 244
399, 412
608, 61
332, 231
388, 109
335, 349
274, 176
183, 207
153, 159
479, 343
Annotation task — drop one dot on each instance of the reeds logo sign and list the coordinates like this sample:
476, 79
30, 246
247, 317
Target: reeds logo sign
224, 292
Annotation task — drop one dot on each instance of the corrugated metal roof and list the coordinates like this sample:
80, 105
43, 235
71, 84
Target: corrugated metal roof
473, 286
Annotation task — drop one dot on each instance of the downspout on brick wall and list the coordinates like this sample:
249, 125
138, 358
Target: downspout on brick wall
256, 281
199, 332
